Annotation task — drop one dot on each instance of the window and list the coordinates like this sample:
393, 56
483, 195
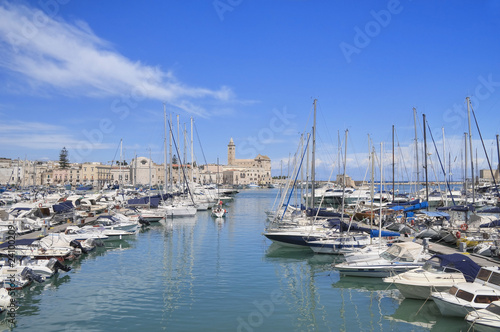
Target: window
495, 278
483, 275
461, 294
485, 299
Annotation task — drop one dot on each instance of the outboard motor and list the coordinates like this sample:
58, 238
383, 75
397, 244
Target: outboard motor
95, 242
55, 266
29, 274
144, 222
76, 244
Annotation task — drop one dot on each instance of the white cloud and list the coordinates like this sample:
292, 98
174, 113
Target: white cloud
49, 52
36, 135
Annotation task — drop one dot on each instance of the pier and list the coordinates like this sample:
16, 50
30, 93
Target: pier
441, 249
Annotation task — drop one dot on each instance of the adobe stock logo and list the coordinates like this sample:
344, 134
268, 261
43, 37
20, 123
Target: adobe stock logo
363, 38
263, 309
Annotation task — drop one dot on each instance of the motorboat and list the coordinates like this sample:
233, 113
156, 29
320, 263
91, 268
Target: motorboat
439, 273
218, 211
463, 298
399, 257
34, 248
343, 243
487, 319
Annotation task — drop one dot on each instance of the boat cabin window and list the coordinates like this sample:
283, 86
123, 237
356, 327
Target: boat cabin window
495, 278
485, 298
483, 275
461, 294
493, 308
453, 290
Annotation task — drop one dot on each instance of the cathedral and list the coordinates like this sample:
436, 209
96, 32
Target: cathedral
246, 171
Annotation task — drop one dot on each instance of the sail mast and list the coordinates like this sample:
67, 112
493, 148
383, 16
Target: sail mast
417, 187
471, 153
165, 145
425, 164
313, 161
393, 166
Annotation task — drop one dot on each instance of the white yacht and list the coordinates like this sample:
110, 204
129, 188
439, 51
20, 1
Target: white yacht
400, 257
439, 273
463, 298
487, 319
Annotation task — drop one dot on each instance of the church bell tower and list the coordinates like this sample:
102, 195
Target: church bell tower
231, 152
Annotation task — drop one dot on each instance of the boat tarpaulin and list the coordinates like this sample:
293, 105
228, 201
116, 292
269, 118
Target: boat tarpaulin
418, 206
460, 262
22, 242
492, 224
374, 233
490, 210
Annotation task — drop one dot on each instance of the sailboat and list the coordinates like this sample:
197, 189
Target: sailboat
175, 208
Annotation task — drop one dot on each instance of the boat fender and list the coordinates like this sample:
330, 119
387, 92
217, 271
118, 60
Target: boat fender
458, 234
40, 205
464, 227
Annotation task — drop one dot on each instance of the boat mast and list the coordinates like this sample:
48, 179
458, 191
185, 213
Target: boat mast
417, 187
393, 166
465, 164
192, 152
170, 136
179, 161
313, 161
372, 180
498, 155
120, 163
444, 167
343, 175
381, 178
165, 146
471, 152
307, 171
425, 165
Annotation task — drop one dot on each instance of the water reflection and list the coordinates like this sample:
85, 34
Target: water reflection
425, 314
178, 264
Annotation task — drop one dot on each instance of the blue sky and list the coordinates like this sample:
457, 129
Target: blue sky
85, 74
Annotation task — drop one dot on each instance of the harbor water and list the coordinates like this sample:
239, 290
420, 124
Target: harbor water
205, 274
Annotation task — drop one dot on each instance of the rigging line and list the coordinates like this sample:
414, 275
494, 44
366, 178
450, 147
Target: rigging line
440, 163
295, 181
327, 151
199, 142
117, 148
401, 155
482, 142
324, 121
180, 164
354, 150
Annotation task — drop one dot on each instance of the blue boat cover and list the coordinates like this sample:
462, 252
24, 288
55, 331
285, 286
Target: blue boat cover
460, 262
22, 242
490, 210
418, 206
62, 207
494, 223
374, 233
397, 208
322, 213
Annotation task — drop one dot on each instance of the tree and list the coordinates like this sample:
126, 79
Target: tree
63, 158
174, 159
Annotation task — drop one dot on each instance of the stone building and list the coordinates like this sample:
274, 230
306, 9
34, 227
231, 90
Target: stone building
246, 171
